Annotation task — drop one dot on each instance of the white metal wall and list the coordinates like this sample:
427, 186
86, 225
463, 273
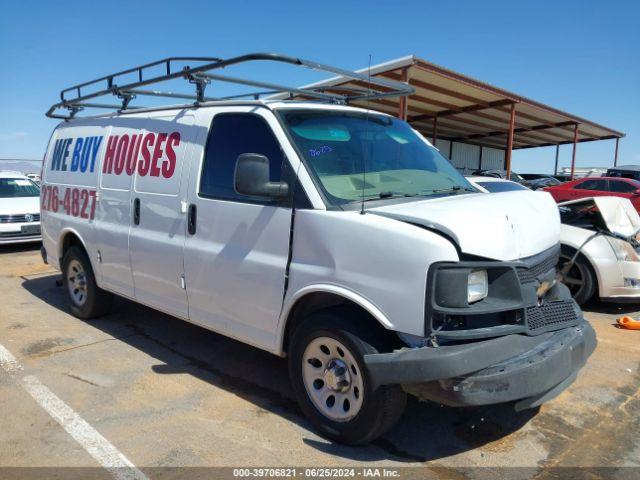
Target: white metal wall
492, 158
465, 157
443, 146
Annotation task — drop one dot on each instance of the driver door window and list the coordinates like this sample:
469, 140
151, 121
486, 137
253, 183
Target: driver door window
233, 134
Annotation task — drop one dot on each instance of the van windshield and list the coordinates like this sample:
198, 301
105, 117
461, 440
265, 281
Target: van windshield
355, 156
18, 187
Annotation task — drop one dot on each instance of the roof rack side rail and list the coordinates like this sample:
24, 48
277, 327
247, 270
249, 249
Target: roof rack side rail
76, 98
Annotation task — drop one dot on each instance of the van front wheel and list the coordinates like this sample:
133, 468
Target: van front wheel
330, 380
86, 299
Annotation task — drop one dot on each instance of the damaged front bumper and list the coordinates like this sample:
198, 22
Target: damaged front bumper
503, 369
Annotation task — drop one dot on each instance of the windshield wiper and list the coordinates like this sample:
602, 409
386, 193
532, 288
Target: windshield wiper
383, 195
454, 189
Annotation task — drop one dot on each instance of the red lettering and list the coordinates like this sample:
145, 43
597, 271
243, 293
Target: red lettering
84, 197
132, 153
121, 154
107, 164
169, 166
157, 155
145, 162
43, 198
92, 194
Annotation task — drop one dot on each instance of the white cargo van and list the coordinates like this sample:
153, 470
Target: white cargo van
334, 235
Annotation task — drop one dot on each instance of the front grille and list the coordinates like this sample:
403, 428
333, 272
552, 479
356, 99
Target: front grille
19, 218
5, 235
551, 315
530, 273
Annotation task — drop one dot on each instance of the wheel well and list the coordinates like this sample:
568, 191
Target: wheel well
70, 240
568, 249
316, 301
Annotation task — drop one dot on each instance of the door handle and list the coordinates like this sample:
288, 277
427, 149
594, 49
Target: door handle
192, 216
136, 211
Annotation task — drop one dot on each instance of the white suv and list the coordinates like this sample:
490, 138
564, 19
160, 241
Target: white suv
19, 209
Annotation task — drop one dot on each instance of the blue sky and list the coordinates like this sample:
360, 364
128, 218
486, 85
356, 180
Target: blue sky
579, 56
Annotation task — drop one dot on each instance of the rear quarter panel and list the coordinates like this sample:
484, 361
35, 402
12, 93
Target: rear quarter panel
70, 172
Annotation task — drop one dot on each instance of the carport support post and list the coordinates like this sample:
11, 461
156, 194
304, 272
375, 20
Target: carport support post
615, 155
402, 106
512, 123
435, 130
573, 154
555, 169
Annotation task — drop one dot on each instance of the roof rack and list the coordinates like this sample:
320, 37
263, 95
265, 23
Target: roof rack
76, 98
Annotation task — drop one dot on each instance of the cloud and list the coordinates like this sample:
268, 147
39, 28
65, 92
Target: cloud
7, 137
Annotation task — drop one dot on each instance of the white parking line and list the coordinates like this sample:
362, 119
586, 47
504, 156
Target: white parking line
95, 444
8, 362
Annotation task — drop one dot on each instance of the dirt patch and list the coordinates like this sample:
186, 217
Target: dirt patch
16, 326
46, 345
606, 439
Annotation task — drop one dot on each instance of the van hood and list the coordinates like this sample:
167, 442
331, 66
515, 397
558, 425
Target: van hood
19, 205
502, 226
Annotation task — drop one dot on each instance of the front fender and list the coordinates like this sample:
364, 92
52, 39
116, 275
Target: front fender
341, 291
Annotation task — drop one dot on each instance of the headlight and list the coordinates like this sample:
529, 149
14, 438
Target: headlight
477, 285
623, 250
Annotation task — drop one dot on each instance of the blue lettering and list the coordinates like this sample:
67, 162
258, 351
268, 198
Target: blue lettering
56, 156
317, 152
86, 151
83, 156
96, 146
75, 159
65, 153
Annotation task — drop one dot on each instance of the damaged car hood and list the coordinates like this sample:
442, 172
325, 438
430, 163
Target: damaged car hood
500, 226
613, 214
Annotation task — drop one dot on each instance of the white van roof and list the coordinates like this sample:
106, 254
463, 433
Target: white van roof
270, 104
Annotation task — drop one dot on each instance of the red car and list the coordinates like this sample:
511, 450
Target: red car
597, 187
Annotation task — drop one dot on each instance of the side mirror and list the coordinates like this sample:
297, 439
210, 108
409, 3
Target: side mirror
252, 177
636, 191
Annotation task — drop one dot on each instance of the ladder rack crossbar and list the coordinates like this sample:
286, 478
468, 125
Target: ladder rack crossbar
76, 98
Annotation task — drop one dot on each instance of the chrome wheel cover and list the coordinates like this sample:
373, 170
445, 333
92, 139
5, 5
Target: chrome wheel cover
77, 282
333, 379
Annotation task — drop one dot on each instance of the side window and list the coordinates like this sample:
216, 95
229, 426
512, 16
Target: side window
591, 185
601, 185
233, 134
621, 187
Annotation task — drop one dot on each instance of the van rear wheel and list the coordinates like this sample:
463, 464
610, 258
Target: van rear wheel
331, 383
86, 299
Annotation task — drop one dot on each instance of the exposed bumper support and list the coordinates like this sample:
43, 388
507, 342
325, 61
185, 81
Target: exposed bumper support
503, 369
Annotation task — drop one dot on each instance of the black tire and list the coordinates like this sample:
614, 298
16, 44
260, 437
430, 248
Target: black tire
380, 408
580, 279
96, 302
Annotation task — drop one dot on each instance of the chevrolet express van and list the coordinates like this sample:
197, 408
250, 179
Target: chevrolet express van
336, 236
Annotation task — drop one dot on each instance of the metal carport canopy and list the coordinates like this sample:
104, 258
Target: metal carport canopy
451, 106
